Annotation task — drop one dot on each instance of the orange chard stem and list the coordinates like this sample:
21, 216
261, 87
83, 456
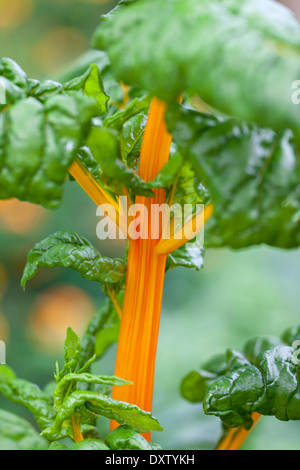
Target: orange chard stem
236, 437
96, 192
145, 280
78, 437
114, 301
90, 185
140, 317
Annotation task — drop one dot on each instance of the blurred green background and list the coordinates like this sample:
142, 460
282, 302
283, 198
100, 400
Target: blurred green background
237, 296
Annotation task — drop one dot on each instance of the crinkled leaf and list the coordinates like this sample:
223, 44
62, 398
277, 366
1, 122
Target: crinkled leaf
17, 434
263, 379
41, 129
269, 388
102, 405
28, 395
69, 381
252, 175
125, 414
68, 249
240, 56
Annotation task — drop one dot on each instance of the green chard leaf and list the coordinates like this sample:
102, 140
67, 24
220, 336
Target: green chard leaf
69, 378
28, 395
256, 43
17, 434
77, 393
69, 382
264, 378
68, 249
102, 405
269, 388
252, 175
42, 127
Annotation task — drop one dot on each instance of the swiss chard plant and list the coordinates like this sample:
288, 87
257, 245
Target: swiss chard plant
188, 102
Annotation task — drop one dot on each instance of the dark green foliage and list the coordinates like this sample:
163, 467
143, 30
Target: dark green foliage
68, 249
240, 56
54, 411
42, 126
252, 175
264, 378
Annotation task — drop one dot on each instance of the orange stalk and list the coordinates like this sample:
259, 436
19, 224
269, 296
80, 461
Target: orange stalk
236, 437
93, 189
97, 193
145, 280
78, 437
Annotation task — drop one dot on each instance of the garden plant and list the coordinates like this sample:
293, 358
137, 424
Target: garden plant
180, 103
